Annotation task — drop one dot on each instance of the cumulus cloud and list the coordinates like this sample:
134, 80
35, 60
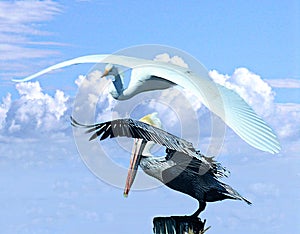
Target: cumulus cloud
93, 95
36, 104
34, 111
168, 59
287, 120
4, 108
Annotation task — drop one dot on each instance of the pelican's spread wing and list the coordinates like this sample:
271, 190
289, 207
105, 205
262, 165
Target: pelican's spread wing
139, 130
225, 103
186, 155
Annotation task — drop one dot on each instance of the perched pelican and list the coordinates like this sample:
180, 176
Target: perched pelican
183, 168
149, 75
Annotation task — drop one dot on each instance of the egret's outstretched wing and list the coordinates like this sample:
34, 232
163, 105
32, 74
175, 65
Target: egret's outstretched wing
98, 58
139, 130
225, 103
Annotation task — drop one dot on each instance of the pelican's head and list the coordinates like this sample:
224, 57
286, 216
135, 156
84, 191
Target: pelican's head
110, 69
140, 148
152, 119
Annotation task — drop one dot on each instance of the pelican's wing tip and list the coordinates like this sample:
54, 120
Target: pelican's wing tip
74, 123
94, 136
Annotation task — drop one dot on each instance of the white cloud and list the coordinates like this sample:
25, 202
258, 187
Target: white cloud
13, 52
79, 80
174, 60
20, 27
30, 90
35, 104
93, 92
19, 16
14, 127
4, 108
34, 111
287, 120
284, 83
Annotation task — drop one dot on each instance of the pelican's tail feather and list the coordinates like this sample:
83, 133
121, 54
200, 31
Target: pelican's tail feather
218, 170
231, 193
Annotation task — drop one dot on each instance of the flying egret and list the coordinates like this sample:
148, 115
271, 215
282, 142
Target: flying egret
183, 168
150, 75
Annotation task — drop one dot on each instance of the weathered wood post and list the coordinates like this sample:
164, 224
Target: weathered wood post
178, 225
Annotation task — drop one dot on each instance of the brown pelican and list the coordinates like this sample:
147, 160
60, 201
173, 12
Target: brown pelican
183, 168
147, 75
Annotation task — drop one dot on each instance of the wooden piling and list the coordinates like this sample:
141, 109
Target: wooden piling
178, 225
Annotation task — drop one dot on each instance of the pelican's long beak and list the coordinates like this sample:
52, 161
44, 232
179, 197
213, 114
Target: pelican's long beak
135, 159
105, 73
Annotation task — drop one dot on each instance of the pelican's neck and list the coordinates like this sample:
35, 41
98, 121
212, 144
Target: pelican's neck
154, 166
147, 149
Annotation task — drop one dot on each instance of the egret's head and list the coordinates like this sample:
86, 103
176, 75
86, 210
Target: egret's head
110, 69
140, 148
116, 87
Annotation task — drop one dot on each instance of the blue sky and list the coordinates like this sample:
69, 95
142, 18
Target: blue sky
252, 47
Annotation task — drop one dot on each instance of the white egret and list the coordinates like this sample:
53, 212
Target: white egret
149, 75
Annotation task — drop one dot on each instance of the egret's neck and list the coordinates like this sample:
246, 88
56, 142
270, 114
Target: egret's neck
118, 83
118, 86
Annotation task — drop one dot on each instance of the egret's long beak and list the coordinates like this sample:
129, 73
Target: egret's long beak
135, 159
105, 73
